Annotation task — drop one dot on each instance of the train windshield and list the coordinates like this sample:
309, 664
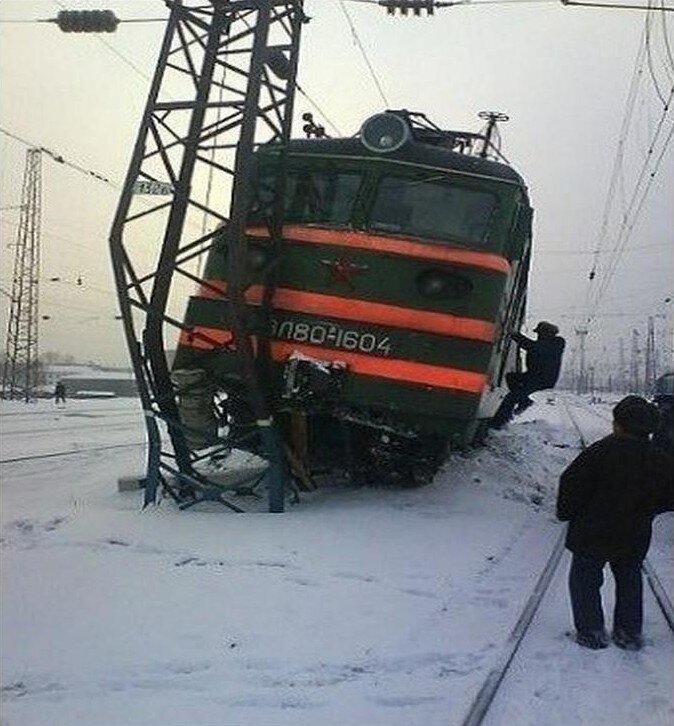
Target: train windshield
320, 196
435, 210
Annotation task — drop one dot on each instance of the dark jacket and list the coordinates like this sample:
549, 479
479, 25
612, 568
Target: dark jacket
610, 494
544, 357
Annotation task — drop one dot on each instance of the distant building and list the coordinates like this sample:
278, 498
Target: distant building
89, 381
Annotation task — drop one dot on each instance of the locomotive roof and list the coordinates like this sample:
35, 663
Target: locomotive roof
428, 155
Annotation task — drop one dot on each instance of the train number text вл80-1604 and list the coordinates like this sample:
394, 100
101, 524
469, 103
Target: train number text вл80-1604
332, 336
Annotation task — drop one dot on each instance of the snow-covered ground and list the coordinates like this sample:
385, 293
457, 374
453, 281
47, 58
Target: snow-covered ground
357, 606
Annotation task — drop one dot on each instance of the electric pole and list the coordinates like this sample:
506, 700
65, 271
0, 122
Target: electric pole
581, 334
649, 378
20, 369
621, 370
634, 362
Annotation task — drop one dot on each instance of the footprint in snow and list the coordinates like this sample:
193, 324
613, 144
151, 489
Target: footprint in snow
355, 576
271, 702
401, 701
302, 581
195, 561
419, 593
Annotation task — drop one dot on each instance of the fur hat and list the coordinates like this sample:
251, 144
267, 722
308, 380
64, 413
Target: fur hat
546, 328
636, 416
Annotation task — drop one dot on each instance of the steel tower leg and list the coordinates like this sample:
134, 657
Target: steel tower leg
211, 86
21, 369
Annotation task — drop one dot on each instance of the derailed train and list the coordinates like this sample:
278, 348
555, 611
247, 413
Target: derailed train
404, 268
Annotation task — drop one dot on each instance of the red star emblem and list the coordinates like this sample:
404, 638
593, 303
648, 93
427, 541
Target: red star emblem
342, 270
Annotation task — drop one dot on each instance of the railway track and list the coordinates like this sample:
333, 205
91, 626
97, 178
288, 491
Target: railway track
71, 412
107, 426
69, 452
484, 699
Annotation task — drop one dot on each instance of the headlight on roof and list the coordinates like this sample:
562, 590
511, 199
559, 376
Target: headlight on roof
384, 132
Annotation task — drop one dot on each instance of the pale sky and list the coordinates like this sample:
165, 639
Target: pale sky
562, 74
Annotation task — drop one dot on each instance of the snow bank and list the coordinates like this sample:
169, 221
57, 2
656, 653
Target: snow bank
357, 606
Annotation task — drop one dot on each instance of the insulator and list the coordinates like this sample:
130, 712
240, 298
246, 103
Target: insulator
87, 21
416, 6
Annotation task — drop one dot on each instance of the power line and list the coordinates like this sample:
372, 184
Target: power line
358, 42
592, 252
626, 228
319, 109
314, 103
114, 50
632, 209
59, 159
620, 151
649, 56
456, 3
125, 21
614, 6
665, 33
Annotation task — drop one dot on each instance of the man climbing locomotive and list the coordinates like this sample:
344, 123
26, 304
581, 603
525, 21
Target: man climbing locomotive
543, 360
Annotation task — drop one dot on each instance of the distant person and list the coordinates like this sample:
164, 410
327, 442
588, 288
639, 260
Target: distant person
60, 393
543, 361
610, 495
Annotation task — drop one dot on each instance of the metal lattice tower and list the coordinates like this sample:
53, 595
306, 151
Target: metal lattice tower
224, 83
650, 366
581, 381
634, 363
20, 370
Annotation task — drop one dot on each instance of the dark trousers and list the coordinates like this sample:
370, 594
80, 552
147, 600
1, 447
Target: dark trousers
520, 385
586, 577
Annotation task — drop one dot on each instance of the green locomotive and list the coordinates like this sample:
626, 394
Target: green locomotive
404, 268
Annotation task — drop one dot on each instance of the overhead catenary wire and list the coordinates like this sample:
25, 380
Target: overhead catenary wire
114, 50
631, 209
665, 33
320, 110
120, 21
543, 252
649, 57
312, 101
616, 172
464, 3
59, 159
361, 47
636, 203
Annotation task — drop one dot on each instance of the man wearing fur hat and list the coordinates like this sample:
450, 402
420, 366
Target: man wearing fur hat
543, 360
610, 495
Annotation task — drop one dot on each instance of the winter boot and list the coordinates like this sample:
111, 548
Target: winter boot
627, 641
593, 639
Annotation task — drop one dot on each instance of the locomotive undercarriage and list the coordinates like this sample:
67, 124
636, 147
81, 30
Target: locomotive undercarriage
324, 438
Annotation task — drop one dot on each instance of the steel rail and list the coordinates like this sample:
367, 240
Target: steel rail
88, 426
656, 586
485, 696
68, 412
70, 452
661, 596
